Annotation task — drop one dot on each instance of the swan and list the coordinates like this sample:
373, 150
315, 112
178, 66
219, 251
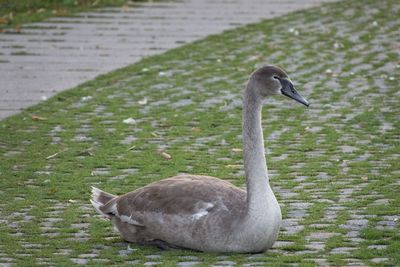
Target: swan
205, 213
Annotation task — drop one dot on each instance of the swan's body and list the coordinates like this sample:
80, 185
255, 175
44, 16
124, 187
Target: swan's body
206, 213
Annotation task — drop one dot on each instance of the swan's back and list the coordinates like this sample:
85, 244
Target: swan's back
181, 194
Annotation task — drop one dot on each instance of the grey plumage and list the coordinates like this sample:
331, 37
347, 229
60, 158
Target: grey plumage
202, 212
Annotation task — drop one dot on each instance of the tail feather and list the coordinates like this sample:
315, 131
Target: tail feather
99, 198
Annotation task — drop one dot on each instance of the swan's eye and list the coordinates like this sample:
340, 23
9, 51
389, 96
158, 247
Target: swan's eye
275, 77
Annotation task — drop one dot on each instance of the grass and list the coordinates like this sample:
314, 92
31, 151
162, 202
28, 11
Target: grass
334, 166
15, 13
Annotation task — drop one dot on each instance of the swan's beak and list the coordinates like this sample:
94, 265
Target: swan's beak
289, 91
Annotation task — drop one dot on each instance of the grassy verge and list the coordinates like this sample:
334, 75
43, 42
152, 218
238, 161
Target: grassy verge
15, 13
334, 166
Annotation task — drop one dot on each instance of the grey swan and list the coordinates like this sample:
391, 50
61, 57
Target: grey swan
205, 213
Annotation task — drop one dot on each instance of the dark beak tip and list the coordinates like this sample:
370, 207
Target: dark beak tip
289, 91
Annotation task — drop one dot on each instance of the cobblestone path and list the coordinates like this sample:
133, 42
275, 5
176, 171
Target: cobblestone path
48, 57
334, 166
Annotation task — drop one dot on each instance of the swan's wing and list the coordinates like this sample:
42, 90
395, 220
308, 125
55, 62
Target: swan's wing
185, 196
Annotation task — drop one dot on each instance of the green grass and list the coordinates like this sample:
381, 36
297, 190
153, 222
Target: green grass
340, 156
15, 13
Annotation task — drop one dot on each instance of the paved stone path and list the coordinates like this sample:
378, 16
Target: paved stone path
60, 53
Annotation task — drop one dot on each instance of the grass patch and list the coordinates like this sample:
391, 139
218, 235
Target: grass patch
15, 13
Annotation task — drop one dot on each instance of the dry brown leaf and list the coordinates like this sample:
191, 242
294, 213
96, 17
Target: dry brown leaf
165, 155
237, 150
38, 118
52, 190
196, 129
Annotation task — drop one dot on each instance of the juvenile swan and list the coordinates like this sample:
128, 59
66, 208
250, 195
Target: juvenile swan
206, 213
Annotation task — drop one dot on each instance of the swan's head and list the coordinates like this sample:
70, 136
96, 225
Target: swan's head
271, 80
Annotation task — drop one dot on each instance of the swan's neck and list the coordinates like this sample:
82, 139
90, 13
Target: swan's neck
259, 193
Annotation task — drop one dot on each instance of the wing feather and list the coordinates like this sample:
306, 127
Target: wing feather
184, 195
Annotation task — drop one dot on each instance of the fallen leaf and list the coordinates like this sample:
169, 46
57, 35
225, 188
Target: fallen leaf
129, 121
143, 101
364, 178
86, 98
294, 31
337, 45
131, 148
196, 129
55, 154
165, 155
52, 190
72, 201
237, 150
131, 249
38, 118
86, 153
52, 156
